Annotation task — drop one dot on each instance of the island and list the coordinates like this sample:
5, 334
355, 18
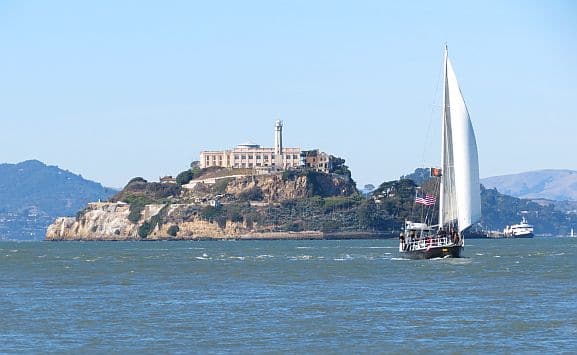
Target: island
224, 203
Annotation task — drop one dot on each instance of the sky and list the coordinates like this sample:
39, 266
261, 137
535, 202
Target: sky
117, 89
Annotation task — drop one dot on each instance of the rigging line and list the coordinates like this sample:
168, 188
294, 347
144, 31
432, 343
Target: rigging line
432, 113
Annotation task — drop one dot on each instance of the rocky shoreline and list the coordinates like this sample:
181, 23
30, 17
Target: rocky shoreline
306, 235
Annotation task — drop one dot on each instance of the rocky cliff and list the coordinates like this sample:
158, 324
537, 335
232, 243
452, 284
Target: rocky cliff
280, 187
109, 221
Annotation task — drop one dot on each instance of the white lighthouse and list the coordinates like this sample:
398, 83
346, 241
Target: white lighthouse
278, 157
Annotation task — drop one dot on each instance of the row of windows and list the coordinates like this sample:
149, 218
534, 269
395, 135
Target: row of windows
266, 157
245, 164
250, 157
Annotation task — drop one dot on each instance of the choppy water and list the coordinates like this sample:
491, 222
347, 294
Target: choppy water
297, 296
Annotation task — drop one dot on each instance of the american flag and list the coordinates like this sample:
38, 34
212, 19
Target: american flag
425, 199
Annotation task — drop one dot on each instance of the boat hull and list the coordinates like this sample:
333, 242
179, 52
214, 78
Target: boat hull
436, 252
526, 235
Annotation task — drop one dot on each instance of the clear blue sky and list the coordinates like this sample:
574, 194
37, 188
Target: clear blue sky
117, 89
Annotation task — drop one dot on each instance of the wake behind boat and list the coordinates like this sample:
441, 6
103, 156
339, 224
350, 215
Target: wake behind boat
459, 191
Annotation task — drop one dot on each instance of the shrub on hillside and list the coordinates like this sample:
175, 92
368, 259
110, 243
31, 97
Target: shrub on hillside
220, 186
144, 230
340, 203
210, 213
294, 226
137, 180
234, 216
173, 230
184, 177
291, 174
252, 194
135, 209
331, 226
290, 203
221, 220
137, 204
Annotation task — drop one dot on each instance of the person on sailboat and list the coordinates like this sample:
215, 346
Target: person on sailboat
412, 236
455, 237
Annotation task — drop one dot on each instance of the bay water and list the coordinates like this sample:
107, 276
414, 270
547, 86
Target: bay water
346, 296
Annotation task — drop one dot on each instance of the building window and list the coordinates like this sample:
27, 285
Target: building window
243, 156
258, 156
236, 156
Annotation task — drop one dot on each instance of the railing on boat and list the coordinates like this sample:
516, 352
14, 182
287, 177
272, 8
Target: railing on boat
427, 242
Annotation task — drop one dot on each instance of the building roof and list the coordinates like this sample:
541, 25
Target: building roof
248, 144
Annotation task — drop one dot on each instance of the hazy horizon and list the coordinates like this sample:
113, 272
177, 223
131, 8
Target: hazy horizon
116, 90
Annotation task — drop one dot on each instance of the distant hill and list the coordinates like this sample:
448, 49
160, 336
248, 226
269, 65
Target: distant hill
33, 194
558, 185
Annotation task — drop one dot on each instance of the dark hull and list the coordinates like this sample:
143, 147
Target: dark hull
437, 252
528, 235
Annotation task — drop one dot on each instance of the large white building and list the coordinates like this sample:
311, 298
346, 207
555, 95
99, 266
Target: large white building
250, 155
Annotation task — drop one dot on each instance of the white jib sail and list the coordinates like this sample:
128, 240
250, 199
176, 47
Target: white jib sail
460, 192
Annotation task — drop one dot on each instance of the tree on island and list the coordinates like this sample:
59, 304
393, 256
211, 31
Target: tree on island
186, 176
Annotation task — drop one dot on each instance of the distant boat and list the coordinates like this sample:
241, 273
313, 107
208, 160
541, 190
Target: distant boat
572, 234
520, 230
460, 197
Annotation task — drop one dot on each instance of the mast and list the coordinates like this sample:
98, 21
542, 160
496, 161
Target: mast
443, 118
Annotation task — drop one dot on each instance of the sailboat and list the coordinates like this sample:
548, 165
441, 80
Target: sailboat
459, 192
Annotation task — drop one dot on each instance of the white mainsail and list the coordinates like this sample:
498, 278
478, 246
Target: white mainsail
460, 199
